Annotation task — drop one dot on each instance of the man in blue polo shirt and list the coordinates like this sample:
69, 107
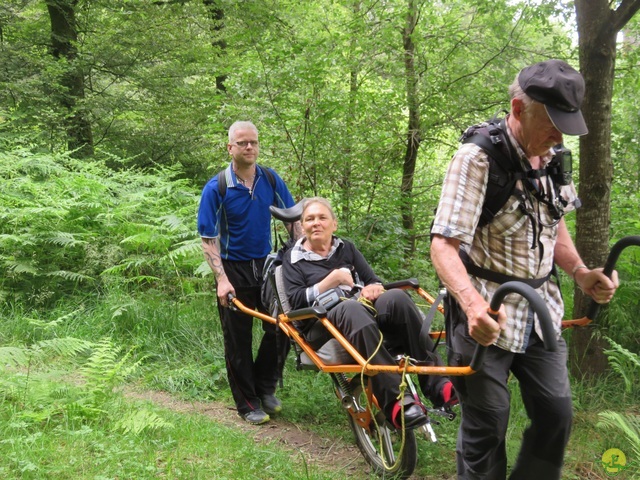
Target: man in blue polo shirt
234, 223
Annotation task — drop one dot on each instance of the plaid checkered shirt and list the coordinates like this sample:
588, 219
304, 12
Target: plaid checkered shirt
505, 244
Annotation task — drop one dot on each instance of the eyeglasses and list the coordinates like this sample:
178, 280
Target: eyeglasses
245, 143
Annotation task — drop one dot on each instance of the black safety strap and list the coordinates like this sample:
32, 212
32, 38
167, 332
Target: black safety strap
499, 278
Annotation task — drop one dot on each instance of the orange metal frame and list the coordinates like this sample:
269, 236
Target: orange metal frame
361, 365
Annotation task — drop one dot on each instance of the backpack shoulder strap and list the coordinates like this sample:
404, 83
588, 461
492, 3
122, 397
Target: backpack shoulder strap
222, 180
504, 167
270, 176
492, 138
222, 183
493, 151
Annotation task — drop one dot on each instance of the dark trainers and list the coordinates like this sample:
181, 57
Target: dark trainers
414, 415
271, 404
256, 417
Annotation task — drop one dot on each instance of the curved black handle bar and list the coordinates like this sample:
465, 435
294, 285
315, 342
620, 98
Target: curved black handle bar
406, 283
230, 304
289, 215
615, 252
539, 307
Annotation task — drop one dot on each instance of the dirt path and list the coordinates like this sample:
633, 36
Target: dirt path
325, 453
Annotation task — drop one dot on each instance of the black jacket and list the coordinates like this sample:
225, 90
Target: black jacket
303, 274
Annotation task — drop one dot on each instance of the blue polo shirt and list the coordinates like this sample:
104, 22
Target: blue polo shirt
242, 219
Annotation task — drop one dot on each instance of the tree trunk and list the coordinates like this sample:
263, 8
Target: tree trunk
216, 14
64, 39
348, 161
413, 132
598, 27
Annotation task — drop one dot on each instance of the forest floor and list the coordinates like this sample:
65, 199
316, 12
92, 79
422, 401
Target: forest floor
324, 453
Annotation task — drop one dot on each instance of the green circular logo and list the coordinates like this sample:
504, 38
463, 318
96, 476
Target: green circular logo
614, 461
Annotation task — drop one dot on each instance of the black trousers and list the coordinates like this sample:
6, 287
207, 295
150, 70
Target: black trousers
485, 400
250, 378
400, 322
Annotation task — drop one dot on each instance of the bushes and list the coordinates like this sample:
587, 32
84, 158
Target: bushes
70, 226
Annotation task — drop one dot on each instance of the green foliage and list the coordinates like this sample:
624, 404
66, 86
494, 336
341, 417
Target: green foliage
148, 71
105, 369
139, 420
107, 248
628, 425
41, 351
323, 80
182, 346
71, 226
48, 435
625, 363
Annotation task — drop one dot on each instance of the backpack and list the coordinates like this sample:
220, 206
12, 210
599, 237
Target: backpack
268, 292
505, 169
269, 296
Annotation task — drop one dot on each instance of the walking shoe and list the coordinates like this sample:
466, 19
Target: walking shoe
414, 415
256, 417
271, 404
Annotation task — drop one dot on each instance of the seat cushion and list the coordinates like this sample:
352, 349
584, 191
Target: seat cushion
331, 353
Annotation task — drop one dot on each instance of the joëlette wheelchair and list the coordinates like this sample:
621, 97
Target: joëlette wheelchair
389, 451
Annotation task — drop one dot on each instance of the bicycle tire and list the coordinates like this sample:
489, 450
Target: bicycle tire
393, 460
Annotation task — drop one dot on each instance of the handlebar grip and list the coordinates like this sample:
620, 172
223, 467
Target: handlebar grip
230, 304
609, 265
539, 307
537, 304
406, 283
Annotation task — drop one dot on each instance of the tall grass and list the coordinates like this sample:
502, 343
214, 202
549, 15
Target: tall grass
178, 349
187, 446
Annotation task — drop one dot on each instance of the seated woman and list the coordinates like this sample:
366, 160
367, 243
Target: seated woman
318, 262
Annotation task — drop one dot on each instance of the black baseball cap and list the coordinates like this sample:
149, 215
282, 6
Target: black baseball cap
560, 87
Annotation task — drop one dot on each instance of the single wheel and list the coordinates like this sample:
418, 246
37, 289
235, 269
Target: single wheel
381, 446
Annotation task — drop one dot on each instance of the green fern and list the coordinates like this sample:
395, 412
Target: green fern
64, 223
11, 240
13, 356
85, 410
629, 425
94, 399
22, 356
71, 276
203, 270
133, 264
67, 347
172, 222
142, 279
627, 365
140, 420
21, 267
142, 238
187, 249
50, 325
63, 239
105, 369
121, 309
623, 362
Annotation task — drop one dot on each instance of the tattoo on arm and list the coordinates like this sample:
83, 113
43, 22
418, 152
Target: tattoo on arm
212, 256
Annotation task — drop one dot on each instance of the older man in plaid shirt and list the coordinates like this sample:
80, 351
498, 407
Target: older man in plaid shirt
522, 242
